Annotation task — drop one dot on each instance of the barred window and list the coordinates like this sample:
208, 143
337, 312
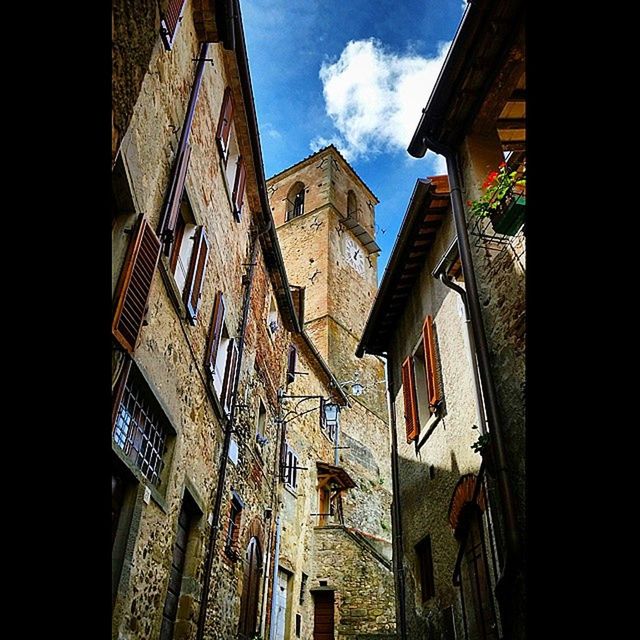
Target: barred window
140, 428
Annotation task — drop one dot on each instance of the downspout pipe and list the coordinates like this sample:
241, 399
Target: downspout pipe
513, 545
229, 428
274, 590
397, 534
448, 282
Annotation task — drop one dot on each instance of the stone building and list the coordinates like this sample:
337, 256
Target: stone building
450, 318
210, 513
335, 537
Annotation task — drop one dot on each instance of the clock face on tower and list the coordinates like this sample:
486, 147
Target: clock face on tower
354, 255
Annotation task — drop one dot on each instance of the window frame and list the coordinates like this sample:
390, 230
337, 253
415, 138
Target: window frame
234, 524
424, 553
132, 372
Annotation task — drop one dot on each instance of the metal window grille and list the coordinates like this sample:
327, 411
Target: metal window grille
139, 430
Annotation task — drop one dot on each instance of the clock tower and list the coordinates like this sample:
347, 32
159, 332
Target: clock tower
325, 218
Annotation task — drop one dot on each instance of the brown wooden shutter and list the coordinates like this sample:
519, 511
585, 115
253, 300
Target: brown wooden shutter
224, 123
195, 276
431, 359
291, 364
410, 401
217, 322
135, 285
230, 374
174, 199
238, 188
169, 21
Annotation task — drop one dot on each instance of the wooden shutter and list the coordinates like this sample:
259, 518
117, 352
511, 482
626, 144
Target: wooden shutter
174, 197
229, 375
291, 364
135, 285
195, 276
238, 188
169, 21
217, 322
410, 402
430, 354
224, 123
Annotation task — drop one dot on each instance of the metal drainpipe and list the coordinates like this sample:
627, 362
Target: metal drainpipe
215, 524
186, 130
274, 590
447, 282
513, 548
398, 547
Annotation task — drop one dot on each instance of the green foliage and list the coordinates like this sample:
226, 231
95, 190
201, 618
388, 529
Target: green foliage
481, 442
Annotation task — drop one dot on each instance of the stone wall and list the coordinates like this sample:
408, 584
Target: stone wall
363, 584
171, 353
135, 36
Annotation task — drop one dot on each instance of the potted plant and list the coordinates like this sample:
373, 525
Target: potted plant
503, 200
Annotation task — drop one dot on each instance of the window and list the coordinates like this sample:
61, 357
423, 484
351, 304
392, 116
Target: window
169, 21
272, 318
421, 386
188, 259
295, 201
425, 567
352, 205
233, 527
291, 364
134, 285
412, 421
261, 423
235, 170
140, 428
422, 390
297, 294
222, 355
225, 123
290, 473
303, 586
186, 519
298, 625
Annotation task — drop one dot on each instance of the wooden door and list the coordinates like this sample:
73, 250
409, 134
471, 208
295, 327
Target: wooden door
281, 605
250, 590
323, 615
476, 588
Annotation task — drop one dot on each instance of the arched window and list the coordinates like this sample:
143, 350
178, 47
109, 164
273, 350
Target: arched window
295, 201
250, 590
352, 205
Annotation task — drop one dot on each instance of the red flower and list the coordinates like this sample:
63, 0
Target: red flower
502, 165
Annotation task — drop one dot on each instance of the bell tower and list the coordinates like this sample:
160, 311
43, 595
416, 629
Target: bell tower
325, 217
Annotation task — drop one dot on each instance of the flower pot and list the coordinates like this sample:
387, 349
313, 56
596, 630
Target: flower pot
509, 218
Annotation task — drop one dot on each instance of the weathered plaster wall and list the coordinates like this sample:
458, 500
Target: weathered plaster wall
425, 500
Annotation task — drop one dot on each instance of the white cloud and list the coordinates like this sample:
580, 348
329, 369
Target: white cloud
375, 96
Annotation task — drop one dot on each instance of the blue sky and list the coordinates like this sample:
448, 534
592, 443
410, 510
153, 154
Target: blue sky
355, 73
